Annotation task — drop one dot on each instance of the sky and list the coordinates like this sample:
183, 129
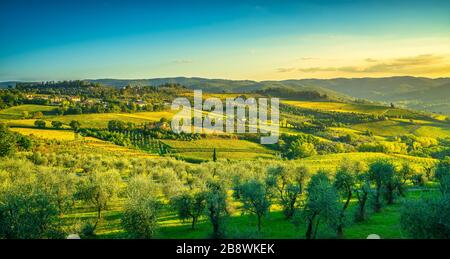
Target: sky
256, 40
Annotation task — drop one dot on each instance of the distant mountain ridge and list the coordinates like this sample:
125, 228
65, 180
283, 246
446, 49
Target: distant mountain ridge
413, 92
416, 92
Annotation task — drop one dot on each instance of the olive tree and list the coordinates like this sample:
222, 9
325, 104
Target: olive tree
255, 199
406, 173
62, 185
190, 205
288, 185
299, 149
381, 173
362, 195
26, 209
216, 206
322, 204
141, 207
98, 188
344, 183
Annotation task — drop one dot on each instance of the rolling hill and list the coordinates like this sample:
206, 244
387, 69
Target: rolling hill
412, 92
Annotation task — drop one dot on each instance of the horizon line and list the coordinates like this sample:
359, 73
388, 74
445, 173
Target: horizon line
197, 77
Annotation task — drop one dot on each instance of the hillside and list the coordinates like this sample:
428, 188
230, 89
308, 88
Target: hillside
412, 92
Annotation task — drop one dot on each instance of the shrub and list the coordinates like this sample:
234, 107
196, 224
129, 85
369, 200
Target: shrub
57, 124
75, 125
88, 230
442, 174
7, 142
39, 123
429, 218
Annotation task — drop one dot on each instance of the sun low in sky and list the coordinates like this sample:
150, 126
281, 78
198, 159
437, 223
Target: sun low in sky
257, 40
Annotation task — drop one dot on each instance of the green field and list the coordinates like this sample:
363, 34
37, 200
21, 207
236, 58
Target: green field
339, 107
385, 128
100, 120
13, 117
16, 112
104, 146
399, 127
219, 143
234, 155
436, 130
332, 161
225, 149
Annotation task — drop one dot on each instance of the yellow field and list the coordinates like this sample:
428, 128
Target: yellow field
436, 131
417, 122
90, 142
100, 120
339, 107
439, 117
46, 133
215, 143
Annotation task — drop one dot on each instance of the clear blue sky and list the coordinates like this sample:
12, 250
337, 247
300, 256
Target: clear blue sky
55, 40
